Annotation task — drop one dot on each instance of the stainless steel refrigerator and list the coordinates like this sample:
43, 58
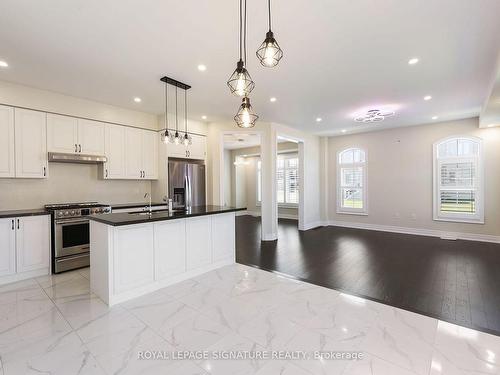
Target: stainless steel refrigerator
186, 183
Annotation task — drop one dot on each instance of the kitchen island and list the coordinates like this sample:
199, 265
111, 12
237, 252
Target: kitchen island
132, 254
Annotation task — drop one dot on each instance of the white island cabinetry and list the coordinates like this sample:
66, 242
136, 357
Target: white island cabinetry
127, 261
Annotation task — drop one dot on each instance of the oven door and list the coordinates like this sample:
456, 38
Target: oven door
72, 236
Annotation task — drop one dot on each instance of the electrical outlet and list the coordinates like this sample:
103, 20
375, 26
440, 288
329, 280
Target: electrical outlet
396, 215
413, 216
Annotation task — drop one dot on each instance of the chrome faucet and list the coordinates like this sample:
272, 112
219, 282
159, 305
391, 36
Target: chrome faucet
147, 195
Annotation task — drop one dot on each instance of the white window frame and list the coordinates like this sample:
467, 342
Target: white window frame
460, 217
347, 210
287, 155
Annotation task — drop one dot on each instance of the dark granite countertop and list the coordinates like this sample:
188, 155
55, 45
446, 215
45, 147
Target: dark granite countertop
19, 213
136, 205
119, 219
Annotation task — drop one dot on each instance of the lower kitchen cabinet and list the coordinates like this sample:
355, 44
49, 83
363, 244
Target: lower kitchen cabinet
128, 261
134, 267
223, 236
24, 247
170, 248
7, 247
199, 242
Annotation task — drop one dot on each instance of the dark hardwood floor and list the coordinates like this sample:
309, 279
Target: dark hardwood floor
455, 281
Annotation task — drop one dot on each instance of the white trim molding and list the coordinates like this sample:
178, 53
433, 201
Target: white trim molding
418, 231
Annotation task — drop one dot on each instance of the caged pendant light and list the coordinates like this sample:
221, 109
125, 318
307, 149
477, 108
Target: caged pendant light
166, 135
240, 83
245, 118
170, 136
269, 52
186, 140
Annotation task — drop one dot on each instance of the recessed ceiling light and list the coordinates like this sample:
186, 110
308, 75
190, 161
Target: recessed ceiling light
202, 67
413, 61
137, 99
435, 117
272, 100
427, 97
343, 130
3, 64
319, 119
203, 117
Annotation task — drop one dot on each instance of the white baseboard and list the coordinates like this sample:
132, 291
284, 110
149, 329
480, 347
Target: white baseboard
280, 216
419, 231
312, 225
24, 276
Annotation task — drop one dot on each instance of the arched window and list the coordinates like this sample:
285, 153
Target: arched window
458, 180
351, 182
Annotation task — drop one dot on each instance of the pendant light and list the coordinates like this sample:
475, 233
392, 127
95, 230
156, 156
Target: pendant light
186, 140
240, 83
245, 118
166, 135
269, 52
177, 138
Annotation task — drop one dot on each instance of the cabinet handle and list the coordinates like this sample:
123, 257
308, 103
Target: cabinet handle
80, 148
17, 223
76, 147
12, 224
44, 171
106, 173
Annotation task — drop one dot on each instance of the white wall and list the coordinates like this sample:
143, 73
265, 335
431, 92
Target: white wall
400, 176
228, 171
48, 101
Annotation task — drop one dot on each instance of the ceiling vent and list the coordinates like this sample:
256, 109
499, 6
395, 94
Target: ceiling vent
374, 115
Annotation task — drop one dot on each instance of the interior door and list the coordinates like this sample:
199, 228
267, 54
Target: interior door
7, 153
62, 133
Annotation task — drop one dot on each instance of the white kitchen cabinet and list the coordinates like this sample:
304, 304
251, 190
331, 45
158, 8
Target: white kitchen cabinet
149, 155
114, 151
170, 248
30, 143
72, 135
133, 153
62, 133
7, 246
197, 150
141, 150
223, 236
90, 137
198, 242
7, 151
134, 265
32, 243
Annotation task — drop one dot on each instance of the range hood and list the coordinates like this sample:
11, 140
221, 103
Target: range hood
76, 158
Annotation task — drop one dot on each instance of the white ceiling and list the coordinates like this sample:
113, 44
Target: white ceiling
340, 56
236, 141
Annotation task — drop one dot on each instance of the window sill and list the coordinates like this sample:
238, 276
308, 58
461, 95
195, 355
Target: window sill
340, 212
458, 220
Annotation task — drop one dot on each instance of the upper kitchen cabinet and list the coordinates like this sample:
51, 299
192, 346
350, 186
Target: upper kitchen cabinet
197, 150
114, 150
149, 155
30, 143
90, 137
72, 135
62, 133
7, 152
141, 154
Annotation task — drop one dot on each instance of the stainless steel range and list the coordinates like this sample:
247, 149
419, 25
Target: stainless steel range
71, 234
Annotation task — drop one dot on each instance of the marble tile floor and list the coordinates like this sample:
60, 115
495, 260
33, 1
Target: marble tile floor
55, 325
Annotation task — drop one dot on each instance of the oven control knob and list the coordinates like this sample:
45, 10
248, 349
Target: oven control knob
73, 212
60, 213
66, 213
